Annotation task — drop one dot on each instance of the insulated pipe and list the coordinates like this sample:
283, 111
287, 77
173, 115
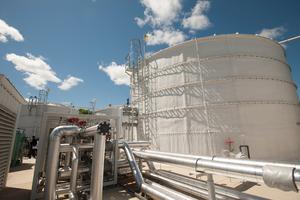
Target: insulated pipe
133, 166
200, 186
53, 156
68, 154
154, 190
255, 173
98, 166
69, 148
159, 192
228, 160
73, 179
197, 192
90, 131
63, 173
135, 144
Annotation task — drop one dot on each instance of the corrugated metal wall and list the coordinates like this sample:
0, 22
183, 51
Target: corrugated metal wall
10, 104
7, 126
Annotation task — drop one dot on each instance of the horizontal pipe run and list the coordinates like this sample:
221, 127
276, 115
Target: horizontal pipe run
220, 191
64, 173
66, 190
228, 160
197, 192
68, 148
135, 144
254, 173
159, 192
165, 158
91, 131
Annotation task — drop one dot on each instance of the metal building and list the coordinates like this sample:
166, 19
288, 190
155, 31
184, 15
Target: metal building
10, 104
32, 117
214, 95
129, 120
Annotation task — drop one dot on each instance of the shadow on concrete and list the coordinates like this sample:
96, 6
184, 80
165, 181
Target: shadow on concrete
24, 166
245, 186
14, 193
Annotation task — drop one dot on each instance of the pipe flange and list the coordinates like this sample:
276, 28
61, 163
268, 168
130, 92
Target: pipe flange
104, 128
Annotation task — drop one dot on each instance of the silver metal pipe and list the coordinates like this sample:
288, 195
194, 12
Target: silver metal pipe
64, 173
133, 166
165, 158
221, 192
197, 192
91, 131
254, 173
160, 192
98, 167
135, 144
73, 179
154, 190
69, 148
53, 156
68, 154
228, 160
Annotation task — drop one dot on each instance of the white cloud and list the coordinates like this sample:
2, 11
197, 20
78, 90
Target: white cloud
70, 82
198, 20
38, 72
167, 36
116, 73
159, 12
9, 31
272, 33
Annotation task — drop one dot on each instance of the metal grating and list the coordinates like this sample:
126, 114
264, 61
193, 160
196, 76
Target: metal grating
7, 125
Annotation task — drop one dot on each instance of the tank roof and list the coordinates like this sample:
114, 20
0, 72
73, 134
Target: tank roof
214, 37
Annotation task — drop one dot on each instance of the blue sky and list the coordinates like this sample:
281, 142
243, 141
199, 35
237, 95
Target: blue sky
63, 42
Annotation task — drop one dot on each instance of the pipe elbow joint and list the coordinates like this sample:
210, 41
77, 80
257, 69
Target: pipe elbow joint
61, 131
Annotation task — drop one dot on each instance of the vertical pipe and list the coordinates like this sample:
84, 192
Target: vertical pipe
68, 154
98, 167
211, 187
73, 178
53, 157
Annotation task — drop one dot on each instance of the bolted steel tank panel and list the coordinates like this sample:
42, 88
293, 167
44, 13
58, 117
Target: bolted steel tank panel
208, 96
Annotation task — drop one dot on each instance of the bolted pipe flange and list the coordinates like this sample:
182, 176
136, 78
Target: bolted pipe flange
104, 128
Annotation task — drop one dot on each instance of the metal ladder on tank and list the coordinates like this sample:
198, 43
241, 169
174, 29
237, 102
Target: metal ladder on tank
146, 96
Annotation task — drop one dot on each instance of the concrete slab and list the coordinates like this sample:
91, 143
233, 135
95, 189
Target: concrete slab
20, 180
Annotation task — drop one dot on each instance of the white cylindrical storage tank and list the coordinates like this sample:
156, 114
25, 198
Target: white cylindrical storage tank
210, 95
